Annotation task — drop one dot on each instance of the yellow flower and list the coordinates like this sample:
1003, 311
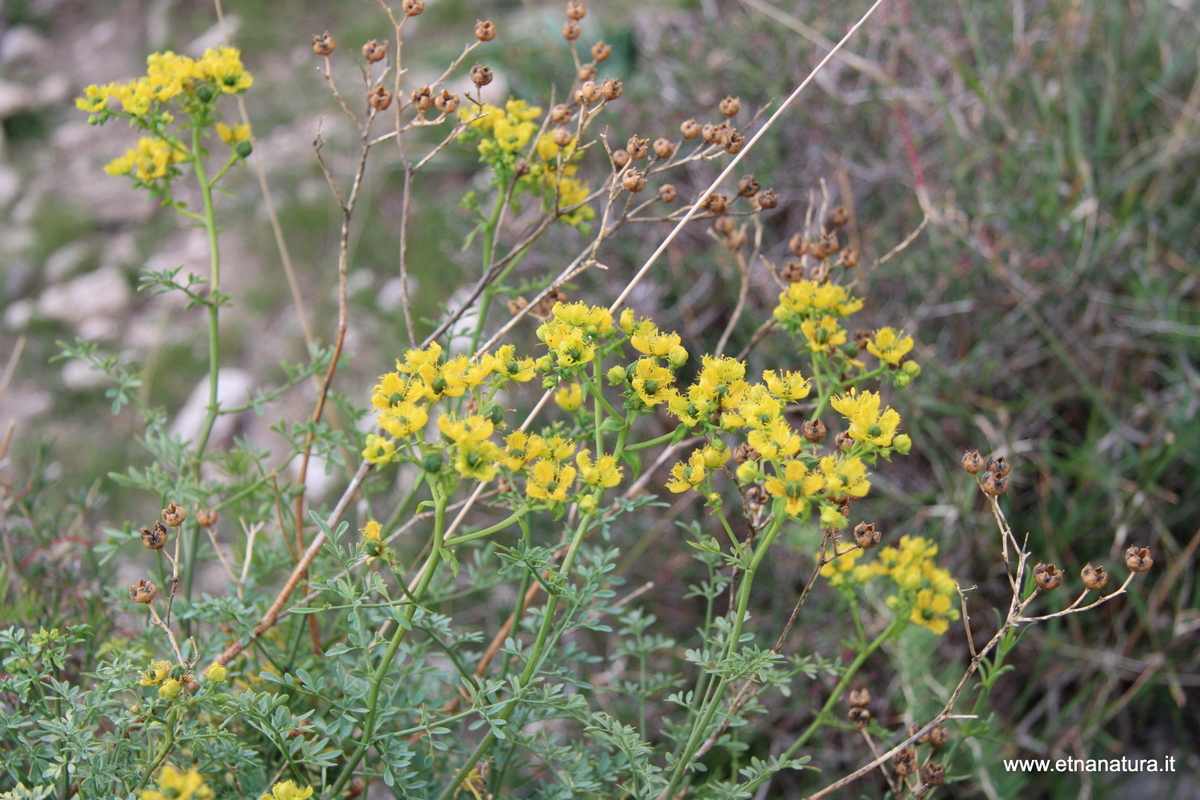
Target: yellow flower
404, 420
549, 481
512, 136
287, 790
569, 397
890, 346
845, 476
688, 475
507, 365
776, 440
156, 674
482, 117
752, 408
593, 319
223, 66
521, 111
604, 472
174, 785
150, 160
475, 428
372, 531
217, 673
798, 485
558, 448
714, 454
654, 343
932, 611
652, 382
94, 98
477, 459
238, 133
721, 377
169, 689
379, 450
521, 448
787, 385
822, 333
867, 422
807, 298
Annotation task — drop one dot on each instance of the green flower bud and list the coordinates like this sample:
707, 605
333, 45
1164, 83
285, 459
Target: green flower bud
902, 443
243, 149
748, 472
545, 363
432, 462
832, 518
170, 689
902, 380
205, 92
617, 376
912, 368
677, 356
494, 412
549, 382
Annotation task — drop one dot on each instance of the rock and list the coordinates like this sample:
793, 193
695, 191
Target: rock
22, 43
14, 99
18, 314
53, 90
101, 293
233, 388
64, 262
78, 376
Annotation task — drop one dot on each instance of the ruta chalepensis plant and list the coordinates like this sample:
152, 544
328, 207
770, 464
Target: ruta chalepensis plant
471, 637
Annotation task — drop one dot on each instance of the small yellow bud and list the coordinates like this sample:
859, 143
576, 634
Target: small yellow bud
903, 443
217, 673
170, 689
677, 356
617, 376
832, 518
911, 368
587, 504
748, 472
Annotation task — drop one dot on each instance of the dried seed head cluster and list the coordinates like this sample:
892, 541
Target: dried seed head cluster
480, 75
173, 515
601, 51
143, 591
571, 30
485, 30
866, 535
1138, 559
155, 537
667, 193
633, 181
905, 762
637, 147
375, 51
1094, 577
1047, 576
206, 517
323, 44
412, 8
379, 98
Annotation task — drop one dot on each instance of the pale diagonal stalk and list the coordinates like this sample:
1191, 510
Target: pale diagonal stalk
214, 282
385, 664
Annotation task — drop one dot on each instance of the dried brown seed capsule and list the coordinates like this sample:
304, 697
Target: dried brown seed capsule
813, 430
446, 102
716, 203
798, 244
815, 250
521, 166
792, 272
637, 147
866, 535
998, 465
206, 517
933, 774
748, 186
972, 462
860, 698
587, 72
601, 51
859, 717
323, 44
663, 148
154, 538
633, 181
611, 89
849, 258
485, 30
905, 762
667, 193
862, 338
589, 92
1047, 576
173, 515
374, 51
413, 7
733, 146
710, 133
560, 114
993, 485
838, 217
736, 239
571, 30
690, 129
356, 788
723, 225
768, 198
576, 9
843, 440
423, 98
730, 106
481, 75
829, 243
379, 99
938, 736
1094, 577
562, 137
620, 158
143, 591
1138, 559
744, 452
515, 305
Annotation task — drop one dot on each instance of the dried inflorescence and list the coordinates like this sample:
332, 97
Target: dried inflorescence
375, 51
866, 535
1138, 559
174, 515
323, 44
143, 591
485, 30
1047, 577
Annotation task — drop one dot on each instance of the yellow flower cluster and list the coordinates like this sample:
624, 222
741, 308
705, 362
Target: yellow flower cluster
889, 346
689, 474
574, 332
551, 175
925, 587
149, 161
288, 790
841, 570
813, 308
167, 76
173, 785
867, 422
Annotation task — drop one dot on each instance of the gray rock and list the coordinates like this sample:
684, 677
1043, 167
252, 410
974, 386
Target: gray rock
101, 293
14, 99
22, 43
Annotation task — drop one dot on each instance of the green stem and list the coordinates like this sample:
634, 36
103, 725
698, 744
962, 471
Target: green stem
714, 702
167, 745
666, 437
531, 667
368, 727
214, 256
489, 249
470, 537
898, 623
